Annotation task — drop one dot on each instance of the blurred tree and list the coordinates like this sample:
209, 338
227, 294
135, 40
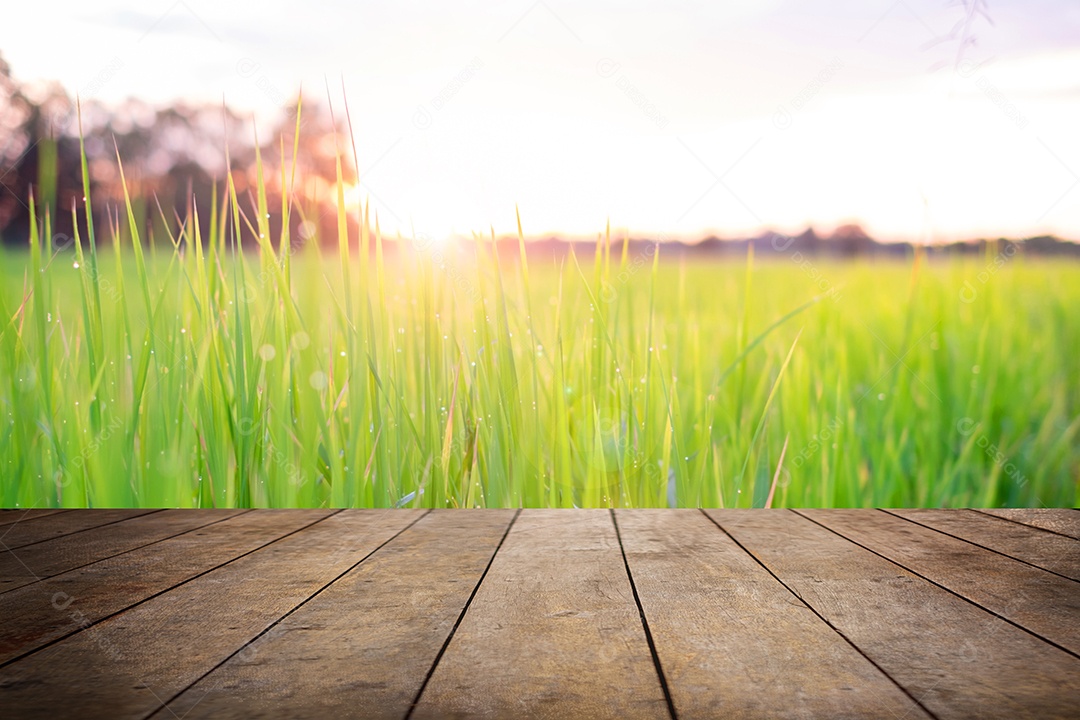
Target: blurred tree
173, 157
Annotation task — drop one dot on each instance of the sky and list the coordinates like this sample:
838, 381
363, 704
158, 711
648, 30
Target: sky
676, 120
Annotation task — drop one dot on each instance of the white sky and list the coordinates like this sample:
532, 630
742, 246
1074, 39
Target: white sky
668, 118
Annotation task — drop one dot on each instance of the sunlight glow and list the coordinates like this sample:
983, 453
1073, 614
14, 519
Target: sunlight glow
716, 120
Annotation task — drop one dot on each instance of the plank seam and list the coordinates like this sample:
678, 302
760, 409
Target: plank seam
102, 619
972, 542
271, 626
937, 584
461, 616
114, 555
31, 519
76, 532
1022, 524
822, 617
644, 622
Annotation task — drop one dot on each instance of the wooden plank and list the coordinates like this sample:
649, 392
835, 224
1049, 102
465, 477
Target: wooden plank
1049, 551
17, 535
734, 642
52, 557
958, 660
363, 646
1062, 521
1041, 602
128, 665
553, 631
14, 515
39, 614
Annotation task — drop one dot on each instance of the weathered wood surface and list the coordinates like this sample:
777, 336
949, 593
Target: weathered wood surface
1042, 603
1048, 551
59, 606
367, 641
9, 516
955, 658
722, 624
47, 558
553, 631
1055, 521
19, 534
630, 613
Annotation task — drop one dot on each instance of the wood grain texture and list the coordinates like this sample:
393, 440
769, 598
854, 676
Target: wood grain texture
128, 665
43, 612
44, 559
733, 641
958, 660
362, 647
318, 613
1041, 602
553, 631
14, 515
1062, 521
1042, 549
17, 535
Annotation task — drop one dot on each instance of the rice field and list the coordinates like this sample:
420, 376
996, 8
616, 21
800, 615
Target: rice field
379, 372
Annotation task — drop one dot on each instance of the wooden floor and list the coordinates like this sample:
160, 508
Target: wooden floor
540, 613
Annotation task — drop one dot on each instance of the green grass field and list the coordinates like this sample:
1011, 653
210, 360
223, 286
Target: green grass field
456, 379
386, 373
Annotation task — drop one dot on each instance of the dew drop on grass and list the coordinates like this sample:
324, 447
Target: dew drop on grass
75, 264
